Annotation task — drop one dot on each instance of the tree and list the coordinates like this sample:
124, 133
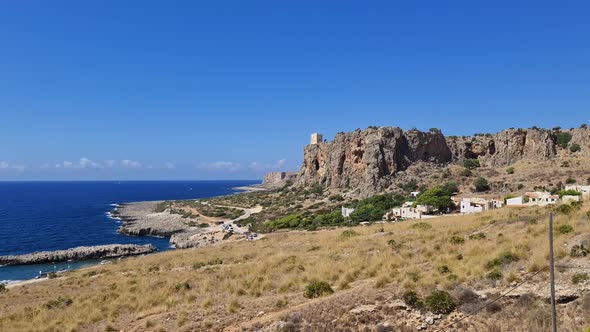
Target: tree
510, 170
437, 198
575, 147
450, 188
481, 184
367, 213
563, 139
471, 163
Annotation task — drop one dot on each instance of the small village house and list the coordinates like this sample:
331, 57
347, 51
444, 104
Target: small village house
346, 212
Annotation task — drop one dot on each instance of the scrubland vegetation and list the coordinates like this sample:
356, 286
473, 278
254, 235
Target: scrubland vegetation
319, 275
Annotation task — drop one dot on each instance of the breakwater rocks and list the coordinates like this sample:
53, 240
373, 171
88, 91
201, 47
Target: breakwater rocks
78, 254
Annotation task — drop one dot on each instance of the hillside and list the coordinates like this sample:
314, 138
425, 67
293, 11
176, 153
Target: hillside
260, 286
377, 159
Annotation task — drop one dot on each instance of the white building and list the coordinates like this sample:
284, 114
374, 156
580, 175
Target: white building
346, 212
404, 213
414, 193
570, 198
316, 138
585, 190
536, 198
477, 205
541, 198
515, 201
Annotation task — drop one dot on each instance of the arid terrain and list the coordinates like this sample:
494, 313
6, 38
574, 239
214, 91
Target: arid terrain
369, 270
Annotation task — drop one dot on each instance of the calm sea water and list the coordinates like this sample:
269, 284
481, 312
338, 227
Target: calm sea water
38, 216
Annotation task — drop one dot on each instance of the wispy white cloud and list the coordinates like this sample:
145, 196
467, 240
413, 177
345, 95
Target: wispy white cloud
5, 165
279, 165
80, 164
131, 163
169, 165
109, 163
227, 166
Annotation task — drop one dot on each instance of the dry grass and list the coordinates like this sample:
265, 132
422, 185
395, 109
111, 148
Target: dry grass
183, 290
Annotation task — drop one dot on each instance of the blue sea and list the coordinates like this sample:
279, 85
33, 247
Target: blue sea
39, 216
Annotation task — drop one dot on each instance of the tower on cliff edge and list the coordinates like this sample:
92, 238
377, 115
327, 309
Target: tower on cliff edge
316, 138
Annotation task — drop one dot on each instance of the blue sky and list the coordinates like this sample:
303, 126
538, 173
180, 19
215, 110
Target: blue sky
232, 89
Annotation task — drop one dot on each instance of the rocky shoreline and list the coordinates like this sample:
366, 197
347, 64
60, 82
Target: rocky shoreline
78, 254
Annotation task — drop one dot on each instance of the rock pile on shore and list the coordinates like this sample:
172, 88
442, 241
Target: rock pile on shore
78, 254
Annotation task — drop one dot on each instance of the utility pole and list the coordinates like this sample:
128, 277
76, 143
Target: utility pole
552, 274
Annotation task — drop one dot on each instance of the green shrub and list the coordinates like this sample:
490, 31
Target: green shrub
481, 184
471, 163
563, 139
52, 275
61, 302
317, 289
393, 244
579, 278
575, 148
457, 240
443, 269
520, 186
466, 172
570, 192
564, 229
494, 275
570, 180
477, 236
440, 302
510, 170
182, 286
588, 181
412, 299
504, 258
3, 288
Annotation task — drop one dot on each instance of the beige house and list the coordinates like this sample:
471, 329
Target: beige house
477, 205
403, 213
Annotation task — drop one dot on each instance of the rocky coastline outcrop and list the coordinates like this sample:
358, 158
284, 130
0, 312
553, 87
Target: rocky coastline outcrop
369, 161
140, 219
78, 254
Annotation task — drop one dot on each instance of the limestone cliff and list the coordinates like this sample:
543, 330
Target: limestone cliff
505, 147
368, 160
373, 160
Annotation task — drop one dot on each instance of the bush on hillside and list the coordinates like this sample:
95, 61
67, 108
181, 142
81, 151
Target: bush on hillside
471, 163
575, 148
440, 302
3, 288
564, 229
563, 139
466, 172
317, 289
481, 184
412, 299
569, 193
510, 170
570, 180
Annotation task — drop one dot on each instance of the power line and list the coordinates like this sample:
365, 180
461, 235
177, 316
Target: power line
485, 305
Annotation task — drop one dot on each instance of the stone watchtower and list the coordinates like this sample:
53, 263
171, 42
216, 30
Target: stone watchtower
316, 138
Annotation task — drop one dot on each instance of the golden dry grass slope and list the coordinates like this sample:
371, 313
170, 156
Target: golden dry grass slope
251, 285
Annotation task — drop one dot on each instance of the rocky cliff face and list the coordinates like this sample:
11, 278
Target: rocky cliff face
278, 179
505, 147
368, 160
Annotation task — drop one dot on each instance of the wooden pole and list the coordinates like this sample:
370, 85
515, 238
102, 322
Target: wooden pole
552, 273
